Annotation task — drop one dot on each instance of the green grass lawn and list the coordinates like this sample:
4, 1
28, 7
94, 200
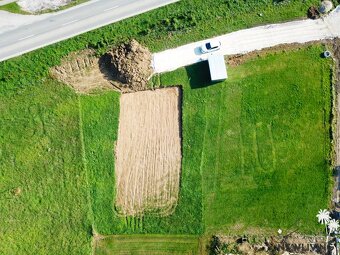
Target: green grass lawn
100, 115
258, 144
256, 157
256, 148
148, 244
265, 162
43, 185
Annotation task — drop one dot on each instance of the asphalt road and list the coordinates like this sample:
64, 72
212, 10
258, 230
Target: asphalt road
65, 24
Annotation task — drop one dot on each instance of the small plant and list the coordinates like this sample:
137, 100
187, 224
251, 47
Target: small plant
331, 225
323, 218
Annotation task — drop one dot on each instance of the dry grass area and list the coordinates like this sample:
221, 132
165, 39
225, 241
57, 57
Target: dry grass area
148, 152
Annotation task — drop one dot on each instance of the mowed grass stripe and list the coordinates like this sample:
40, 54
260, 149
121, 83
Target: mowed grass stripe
40, 159
148, 244
100, 113
266, 165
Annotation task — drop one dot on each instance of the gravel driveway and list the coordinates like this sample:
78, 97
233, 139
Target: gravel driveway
248, 40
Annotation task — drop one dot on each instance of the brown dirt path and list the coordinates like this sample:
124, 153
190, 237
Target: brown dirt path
336, 193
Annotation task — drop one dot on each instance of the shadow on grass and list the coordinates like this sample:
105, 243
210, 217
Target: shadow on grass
199, 75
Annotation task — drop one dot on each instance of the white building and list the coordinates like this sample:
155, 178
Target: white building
217, 66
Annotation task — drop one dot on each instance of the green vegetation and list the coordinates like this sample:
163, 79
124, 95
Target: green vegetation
148, 244
258, 144
256, 148
43, 190
265, 162
100, 115
100, 124
13, 7
173, 25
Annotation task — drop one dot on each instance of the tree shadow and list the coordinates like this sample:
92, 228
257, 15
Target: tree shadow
199, 75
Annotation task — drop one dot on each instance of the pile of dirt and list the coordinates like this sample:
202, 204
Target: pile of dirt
131, 64
126, 68
313, 13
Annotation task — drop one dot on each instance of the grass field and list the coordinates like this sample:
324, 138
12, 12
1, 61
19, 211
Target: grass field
256, 151
43, 186
31, 120
100, 124
256, 148
148, 244
258, 144
265, 162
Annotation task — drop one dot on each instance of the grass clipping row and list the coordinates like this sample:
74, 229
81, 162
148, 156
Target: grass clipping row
148, 152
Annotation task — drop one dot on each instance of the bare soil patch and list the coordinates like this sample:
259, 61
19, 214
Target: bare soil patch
238, 59
148, 152
336, 190
336, 53
82, 71
126, 68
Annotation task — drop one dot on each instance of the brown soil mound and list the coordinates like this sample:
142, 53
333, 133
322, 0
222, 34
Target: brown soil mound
126, 68
148, 152
131, 64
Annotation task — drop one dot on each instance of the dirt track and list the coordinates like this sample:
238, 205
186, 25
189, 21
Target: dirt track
336, 190
148, 152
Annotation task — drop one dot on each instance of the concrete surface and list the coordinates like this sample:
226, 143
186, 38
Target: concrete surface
68, 23
248, 40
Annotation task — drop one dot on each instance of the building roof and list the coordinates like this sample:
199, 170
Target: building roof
217, 66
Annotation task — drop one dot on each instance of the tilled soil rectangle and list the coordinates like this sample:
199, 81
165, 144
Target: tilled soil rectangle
148, 152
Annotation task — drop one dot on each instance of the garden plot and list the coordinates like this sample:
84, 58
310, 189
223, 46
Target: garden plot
148, 152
